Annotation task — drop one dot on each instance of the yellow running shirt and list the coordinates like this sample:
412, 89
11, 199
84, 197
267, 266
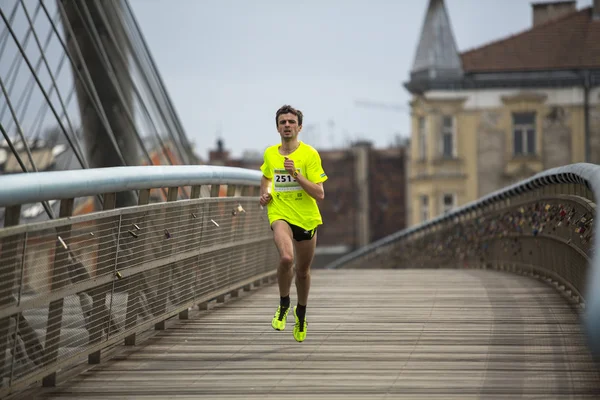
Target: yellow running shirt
289, 201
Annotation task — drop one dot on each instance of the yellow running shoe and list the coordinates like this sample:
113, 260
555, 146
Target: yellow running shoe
299, 331
279, 319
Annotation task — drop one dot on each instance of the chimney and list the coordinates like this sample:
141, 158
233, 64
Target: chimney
547, 11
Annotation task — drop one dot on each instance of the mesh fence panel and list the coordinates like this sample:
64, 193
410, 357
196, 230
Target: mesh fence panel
547, 232
72, 286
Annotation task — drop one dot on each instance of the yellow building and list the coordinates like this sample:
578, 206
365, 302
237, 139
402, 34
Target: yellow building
491, 116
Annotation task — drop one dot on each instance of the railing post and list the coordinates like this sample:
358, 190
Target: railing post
196, 190
231, 190
214, 190
203, 192
59, 275
162, 290
97, 315
590, 195
185, 314
8, 258
133, 283
194, 194
211, 213
21, 323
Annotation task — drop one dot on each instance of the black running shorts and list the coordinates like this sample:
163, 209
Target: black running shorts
298, 233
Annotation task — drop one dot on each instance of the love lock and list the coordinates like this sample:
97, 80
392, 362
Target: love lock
238, 210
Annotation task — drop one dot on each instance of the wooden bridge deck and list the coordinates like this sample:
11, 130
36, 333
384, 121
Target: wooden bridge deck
373, 334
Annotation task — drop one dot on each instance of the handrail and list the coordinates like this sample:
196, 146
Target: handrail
75, 285
40, 186
581, 173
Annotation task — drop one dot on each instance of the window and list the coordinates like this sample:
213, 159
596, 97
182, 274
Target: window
448, 202
523, 134
447, 144
424, 208
422, 139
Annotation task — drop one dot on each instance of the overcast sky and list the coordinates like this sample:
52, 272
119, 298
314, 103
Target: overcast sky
229, 64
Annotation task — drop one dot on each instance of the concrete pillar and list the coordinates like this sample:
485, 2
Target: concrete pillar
361, 172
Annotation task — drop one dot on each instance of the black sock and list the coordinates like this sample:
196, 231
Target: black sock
284, 302
301, 312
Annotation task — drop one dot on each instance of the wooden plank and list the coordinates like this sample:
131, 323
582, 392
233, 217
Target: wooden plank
372, 334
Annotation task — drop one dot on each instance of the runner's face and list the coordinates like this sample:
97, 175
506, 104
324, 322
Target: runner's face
287, 126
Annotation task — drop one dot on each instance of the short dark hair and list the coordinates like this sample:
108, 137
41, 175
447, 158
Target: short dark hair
286, 109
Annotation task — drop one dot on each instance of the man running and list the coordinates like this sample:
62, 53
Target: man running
291, 185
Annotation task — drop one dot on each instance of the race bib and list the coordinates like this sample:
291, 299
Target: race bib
284, 182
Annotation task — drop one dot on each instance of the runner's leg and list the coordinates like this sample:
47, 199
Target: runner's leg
305, 251
282, 235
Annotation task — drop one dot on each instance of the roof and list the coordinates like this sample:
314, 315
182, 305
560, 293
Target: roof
568, 42
437, 53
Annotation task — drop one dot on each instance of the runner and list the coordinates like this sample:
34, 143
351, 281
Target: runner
291, 186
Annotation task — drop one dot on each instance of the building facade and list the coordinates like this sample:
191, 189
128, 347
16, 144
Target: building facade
365, 195
497, 114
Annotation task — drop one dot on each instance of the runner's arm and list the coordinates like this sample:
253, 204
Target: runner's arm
314, 190
265, 184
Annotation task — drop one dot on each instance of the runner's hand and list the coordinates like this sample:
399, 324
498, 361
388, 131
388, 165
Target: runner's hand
265, 199
289, 165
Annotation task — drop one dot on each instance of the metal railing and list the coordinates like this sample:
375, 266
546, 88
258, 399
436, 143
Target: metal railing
541, 227
75, 285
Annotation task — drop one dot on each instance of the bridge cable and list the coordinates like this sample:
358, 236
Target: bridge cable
77, 150
17, 60
41, 89
133, 85
92, 32
4, 35
158, 77
144, 74
27, 93
87, 84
